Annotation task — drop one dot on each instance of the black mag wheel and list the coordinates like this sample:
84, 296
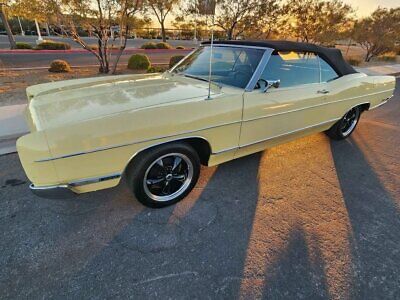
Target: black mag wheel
349, 121
168, 177
346, 125
164, 175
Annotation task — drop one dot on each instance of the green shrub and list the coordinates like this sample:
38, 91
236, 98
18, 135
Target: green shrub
139, 62
180, 47
354, 61
156, 69
174, 60
163, 45
59, 66
149, 45
51, 45
22, 45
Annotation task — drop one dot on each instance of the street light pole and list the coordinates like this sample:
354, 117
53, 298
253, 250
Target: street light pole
20, 26
40, 39
13, 44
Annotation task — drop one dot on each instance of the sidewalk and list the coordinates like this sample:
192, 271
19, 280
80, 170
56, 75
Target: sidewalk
381, 70
12, 126
12, 121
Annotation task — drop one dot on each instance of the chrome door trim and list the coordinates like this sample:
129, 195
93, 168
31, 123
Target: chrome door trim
138, 142
277, 136
316, 105
290, 132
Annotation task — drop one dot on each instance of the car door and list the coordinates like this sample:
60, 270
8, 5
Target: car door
280, 113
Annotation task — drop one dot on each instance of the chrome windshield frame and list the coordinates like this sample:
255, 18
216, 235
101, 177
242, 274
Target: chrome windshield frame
258, 71
260, 68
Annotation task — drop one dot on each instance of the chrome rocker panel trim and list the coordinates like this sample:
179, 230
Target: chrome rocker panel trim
52, 191
64, 191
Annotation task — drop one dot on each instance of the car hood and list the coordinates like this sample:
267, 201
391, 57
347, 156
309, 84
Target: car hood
60, 103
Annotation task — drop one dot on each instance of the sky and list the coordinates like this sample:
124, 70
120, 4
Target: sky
365, 7
362, 8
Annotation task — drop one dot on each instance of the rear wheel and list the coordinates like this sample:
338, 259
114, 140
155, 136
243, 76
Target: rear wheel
346, 125
164, 175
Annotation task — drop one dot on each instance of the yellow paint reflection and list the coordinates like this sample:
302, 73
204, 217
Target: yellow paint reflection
299, 194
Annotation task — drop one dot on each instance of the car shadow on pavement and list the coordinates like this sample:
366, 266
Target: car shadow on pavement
286, 223
375, 224
139, 252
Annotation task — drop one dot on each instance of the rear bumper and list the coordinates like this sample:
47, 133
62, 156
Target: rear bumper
53, 192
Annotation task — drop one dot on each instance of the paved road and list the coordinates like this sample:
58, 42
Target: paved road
135, 43
27, 60
311, 219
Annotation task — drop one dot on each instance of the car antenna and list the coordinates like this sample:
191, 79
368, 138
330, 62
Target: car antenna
207, 7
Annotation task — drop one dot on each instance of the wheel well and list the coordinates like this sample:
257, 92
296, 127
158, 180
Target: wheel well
200, 145
364, 106
202, 148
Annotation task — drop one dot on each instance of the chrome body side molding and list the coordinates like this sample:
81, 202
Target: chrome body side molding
317, 105
206, 128
137, 142
276, 136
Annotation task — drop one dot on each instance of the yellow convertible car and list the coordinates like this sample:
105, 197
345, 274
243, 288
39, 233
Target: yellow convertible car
155, 130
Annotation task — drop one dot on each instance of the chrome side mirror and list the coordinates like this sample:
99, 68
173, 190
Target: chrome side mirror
271, 83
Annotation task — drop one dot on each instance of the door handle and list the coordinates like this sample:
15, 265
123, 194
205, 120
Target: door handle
323, 92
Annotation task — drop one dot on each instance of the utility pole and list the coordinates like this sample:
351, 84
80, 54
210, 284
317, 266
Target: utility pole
3, 17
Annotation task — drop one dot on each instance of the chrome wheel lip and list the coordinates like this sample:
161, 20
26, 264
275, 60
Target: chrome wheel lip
181, 190
354, 122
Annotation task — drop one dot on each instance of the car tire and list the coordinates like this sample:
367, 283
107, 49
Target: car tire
164, 175
343, 128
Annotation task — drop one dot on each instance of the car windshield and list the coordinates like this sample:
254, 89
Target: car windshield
230, 65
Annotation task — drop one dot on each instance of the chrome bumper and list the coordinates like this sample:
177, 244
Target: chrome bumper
53, 192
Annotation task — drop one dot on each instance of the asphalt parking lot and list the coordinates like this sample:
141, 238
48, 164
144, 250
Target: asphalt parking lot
307, 220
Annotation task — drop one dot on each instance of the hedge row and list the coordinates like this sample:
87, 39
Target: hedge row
136, 62
142, 62
51, 45
151, 45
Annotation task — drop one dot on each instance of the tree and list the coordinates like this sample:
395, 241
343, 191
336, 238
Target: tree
161, 9
235, 16
266, 19
100, 17
378, 33
321, 22
41, 10
6, 25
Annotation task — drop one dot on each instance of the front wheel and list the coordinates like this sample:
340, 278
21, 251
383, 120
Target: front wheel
346, 125
164, 175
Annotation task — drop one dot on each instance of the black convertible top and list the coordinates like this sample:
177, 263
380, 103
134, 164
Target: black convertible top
331, 55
